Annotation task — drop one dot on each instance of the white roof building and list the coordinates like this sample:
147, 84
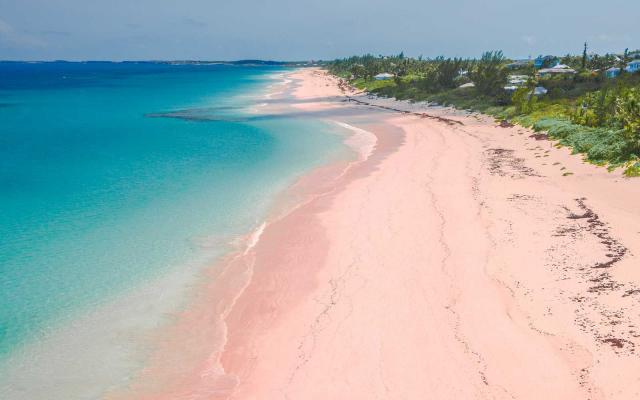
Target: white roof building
558, 69
539, 91
384, 76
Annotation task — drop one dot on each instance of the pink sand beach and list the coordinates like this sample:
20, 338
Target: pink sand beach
451, 259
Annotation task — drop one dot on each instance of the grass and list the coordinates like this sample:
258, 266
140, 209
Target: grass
542, 110
463, 98
633, 170
372, 85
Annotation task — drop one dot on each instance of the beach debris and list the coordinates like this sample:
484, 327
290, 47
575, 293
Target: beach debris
608, 324
447, 121
539, 136
502, 162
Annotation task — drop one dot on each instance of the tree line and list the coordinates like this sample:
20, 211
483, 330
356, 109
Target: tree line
433, 75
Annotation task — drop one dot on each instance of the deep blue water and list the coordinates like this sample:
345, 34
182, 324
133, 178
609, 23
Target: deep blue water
101, 189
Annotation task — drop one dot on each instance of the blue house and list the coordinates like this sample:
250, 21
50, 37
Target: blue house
633, 66
546, 62
612, 72
538, 62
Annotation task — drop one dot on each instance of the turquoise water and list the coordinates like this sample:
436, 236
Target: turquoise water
113, 174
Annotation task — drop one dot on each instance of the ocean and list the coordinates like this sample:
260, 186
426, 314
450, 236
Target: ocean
113, 175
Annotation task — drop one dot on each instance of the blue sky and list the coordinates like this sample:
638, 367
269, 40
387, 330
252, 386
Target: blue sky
309, 29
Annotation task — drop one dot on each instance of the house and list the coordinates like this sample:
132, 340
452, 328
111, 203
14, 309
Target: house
385, 76
538, 62
612, 72
546, 62
517, 80
539, 91
633, 66
558, 69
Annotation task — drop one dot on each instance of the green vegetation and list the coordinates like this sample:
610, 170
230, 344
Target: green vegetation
633, 171
489, 75
584, 109
601, 145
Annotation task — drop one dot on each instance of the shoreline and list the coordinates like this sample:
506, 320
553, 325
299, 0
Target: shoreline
222, 287
129, 339
456, 261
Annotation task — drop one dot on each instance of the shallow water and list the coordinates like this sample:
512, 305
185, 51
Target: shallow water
115, 175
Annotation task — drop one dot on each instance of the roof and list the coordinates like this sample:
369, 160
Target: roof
383, 76
540, 90
555, 70
468, 85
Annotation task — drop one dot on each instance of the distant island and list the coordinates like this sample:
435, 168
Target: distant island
244, 63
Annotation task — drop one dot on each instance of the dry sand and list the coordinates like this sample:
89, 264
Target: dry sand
458, 260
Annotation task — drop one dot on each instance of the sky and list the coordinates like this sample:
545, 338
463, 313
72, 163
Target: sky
310, 29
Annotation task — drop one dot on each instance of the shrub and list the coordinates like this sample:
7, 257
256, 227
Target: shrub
523, 100
633, 170
601, 145
447, 71
489, 74
627, 115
